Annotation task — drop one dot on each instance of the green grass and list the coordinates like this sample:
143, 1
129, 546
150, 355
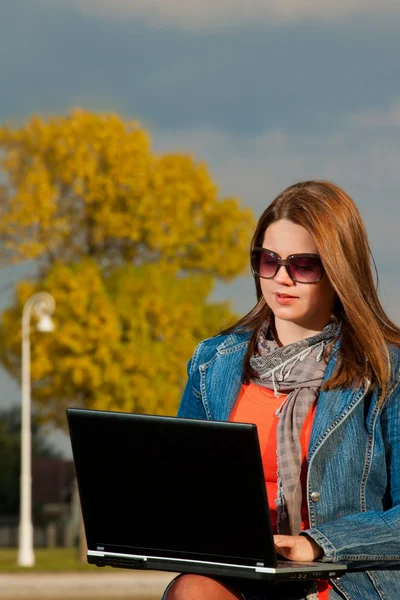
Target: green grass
46, 560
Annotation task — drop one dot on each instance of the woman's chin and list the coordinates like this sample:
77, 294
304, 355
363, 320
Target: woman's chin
286, 313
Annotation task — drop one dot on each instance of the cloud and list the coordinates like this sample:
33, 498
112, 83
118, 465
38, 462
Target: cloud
364, 162
257, 167
373, 117
196, 14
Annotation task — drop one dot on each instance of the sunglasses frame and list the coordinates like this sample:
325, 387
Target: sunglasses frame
284, 262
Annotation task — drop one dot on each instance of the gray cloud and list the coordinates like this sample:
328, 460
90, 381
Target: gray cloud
197, 14
378, 117
298, 76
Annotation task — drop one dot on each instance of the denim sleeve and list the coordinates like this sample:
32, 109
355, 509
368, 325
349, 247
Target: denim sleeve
370, 535
191, 406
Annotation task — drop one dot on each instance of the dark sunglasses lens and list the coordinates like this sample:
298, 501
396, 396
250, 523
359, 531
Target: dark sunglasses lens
306, 269
264, 264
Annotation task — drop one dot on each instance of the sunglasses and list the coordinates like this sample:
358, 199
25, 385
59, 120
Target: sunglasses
302, 268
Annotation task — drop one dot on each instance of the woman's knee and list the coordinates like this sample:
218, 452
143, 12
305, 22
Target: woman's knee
198, 587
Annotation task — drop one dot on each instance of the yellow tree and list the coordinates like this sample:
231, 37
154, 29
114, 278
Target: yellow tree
129, 243
89, 185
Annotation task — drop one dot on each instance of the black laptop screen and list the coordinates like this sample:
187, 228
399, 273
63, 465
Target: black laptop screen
164, 486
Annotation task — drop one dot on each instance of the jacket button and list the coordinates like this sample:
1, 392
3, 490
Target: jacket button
315, 496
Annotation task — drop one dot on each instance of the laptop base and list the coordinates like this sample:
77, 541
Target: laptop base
285, 570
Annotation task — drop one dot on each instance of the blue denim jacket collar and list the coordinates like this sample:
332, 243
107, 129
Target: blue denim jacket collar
330, 410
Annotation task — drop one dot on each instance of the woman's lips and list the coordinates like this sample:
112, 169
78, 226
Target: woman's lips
284, 298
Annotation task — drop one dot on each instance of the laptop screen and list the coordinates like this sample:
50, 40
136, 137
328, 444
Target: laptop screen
171, 487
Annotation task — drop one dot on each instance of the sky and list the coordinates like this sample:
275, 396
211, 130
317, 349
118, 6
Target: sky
267, 92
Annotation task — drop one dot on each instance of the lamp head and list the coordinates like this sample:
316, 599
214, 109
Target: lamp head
45, 324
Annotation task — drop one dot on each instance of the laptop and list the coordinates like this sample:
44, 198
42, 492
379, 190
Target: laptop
180, 495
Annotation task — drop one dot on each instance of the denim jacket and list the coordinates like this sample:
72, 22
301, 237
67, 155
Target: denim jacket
353, 482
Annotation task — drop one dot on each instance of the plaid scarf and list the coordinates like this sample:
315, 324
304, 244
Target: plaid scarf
297, 370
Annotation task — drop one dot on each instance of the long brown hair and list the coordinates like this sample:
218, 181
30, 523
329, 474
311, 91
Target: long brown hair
332, 218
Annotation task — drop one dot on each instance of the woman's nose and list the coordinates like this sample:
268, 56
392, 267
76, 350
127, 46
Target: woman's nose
283, 276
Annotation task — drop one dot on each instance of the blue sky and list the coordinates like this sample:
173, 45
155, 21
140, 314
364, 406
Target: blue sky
267, 92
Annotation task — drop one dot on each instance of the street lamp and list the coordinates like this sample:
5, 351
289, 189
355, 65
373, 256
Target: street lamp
42, 306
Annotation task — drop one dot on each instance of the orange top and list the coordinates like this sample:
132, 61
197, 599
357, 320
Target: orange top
258, 405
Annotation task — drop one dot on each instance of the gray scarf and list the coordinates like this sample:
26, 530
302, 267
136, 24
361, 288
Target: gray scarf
297, 370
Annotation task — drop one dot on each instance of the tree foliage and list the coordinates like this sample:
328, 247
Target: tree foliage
116, 346
129, 244
89, 185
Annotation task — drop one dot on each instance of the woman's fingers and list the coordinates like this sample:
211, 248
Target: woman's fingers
297, 547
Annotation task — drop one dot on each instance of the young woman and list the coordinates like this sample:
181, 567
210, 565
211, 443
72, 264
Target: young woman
316, 365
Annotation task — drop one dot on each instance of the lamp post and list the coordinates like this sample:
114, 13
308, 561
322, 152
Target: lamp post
42, 306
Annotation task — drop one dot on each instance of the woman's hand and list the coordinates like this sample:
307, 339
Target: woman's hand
300, 548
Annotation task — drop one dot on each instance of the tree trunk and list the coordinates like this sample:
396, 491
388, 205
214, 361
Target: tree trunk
77, 525
82, 550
